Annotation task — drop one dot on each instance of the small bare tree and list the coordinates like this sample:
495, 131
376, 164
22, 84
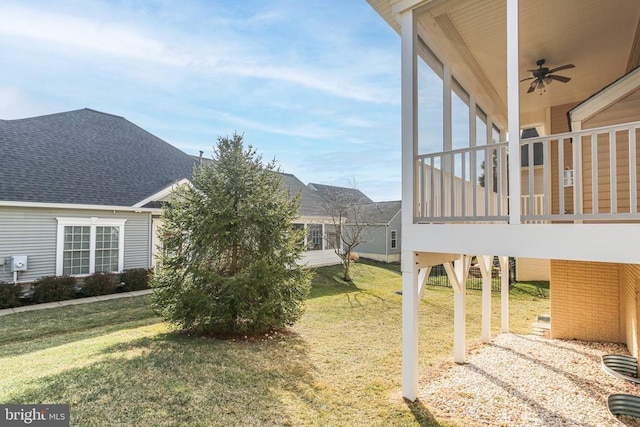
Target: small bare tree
350, 221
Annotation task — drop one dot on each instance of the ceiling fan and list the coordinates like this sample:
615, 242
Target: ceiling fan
543, 76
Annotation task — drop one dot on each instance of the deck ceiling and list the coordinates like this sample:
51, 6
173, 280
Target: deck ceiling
596, 36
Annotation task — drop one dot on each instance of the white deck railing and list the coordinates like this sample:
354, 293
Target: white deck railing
577, 176
586, 175
456, 195
538, 208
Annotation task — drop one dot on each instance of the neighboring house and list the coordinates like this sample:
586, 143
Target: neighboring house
379, 221
572, 198
82, 192
77, 192
315, 220
382, 233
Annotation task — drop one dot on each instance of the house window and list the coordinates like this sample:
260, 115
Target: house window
394, 239
89, 245
538, 154
315, 237
76, 252
107, 248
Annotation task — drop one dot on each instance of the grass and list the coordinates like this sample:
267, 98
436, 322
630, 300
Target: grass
116, 363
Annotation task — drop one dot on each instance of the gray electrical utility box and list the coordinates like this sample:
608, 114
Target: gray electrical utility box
19, 263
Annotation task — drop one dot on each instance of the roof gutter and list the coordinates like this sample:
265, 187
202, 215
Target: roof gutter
81, 207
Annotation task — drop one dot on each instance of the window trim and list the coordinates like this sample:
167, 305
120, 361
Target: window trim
393, 242
91, 222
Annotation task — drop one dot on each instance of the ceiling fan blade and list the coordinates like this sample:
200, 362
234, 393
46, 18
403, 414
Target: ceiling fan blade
532, 86
562, 79
564, 67
529, 78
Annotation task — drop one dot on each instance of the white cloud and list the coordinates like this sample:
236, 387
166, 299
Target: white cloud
117, 39
226, 56
309, 131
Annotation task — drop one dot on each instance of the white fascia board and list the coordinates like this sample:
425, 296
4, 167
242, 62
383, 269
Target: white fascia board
163, 193
313, 219
81, 207
400, 6
607, 96
615, 243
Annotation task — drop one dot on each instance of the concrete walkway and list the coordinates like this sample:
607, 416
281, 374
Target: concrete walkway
74, 302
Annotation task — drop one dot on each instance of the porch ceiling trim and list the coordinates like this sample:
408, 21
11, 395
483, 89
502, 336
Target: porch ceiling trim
400, 6
605, 97
634, 55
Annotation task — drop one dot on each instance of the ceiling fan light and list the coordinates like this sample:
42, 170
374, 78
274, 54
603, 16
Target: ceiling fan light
548, 80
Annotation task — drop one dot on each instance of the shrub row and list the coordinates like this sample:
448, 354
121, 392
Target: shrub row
60, 288
9, 295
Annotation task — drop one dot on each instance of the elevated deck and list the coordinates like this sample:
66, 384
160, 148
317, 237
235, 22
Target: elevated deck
584, 176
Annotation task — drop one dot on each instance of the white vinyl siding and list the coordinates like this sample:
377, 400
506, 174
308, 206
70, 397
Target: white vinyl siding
32, 231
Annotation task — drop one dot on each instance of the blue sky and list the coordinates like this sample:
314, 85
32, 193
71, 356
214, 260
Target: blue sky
313, 83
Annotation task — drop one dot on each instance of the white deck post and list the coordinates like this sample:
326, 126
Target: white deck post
409, 148
504, 294
410, 300
486, 262
459, 313
457, 273
513, 106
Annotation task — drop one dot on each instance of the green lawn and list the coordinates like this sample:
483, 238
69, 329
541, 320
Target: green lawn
117, 364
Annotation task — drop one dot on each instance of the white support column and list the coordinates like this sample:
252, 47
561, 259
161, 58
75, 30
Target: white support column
485, 262
457, 274
409, 88
460, 313
410, 300
409, 149
513, 106
447, 120
504, 294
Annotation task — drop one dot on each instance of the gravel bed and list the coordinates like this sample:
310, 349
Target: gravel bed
526, 380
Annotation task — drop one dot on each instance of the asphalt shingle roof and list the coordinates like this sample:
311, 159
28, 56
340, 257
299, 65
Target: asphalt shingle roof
378, 212
311, 202
85, 157
343, 194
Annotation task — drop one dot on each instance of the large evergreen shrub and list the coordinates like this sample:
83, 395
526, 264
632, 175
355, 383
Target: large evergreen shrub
230, 265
